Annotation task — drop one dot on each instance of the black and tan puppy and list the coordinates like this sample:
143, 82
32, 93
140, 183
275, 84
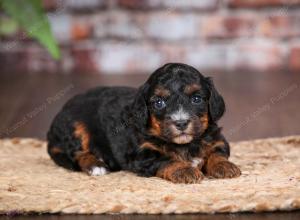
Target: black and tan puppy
166, 128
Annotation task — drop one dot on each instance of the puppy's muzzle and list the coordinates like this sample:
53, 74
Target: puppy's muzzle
181, 125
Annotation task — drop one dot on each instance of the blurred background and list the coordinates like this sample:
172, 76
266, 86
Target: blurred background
137, 36
250, 47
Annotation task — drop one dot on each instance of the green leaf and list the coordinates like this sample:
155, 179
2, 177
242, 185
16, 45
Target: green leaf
31, 16
8, 26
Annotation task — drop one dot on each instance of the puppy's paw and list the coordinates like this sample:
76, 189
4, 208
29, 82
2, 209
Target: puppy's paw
197, 162
180, 172
224, 169
186, 175
97, 171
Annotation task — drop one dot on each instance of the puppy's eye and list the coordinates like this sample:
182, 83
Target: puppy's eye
159, 104
196, 99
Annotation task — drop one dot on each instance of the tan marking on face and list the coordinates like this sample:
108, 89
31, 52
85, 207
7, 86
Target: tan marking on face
82, 133
204, 122
190, 89
162, 92
155, 126
148, 145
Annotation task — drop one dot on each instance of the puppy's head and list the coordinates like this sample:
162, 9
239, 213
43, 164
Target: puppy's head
177, 103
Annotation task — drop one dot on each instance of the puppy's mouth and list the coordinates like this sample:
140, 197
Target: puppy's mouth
183, 138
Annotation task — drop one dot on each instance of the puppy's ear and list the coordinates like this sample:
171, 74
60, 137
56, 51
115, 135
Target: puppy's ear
216, 102
139, 109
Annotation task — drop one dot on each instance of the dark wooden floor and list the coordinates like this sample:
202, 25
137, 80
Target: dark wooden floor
259, 105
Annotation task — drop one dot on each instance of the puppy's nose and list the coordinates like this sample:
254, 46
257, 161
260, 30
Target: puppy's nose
181, 124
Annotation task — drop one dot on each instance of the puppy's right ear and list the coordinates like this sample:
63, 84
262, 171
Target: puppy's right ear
216, 102
139, 111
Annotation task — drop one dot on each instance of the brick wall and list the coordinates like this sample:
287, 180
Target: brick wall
137, 36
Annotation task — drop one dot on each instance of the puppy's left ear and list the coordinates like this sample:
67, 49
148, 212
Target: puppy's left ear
139, 109
216, 102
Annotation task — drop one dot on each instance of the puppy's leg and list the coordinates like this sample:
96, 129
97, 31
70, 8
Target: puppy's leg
86, 160
180, 172
151, 161
90, 164
71, 148
217, 164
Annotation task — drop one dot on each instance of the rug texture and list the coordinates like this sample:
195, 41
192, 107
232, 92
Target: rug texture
31, 182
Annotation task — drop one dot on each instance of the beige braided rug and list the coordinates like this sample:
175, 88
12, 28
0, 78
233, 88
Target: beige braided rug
30, 182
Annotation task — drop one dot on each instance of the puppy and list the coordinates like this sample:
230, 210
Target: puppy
167, 128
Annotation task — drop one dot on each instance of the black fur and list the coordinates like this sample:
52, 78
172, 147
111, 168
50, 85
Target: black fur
216, 102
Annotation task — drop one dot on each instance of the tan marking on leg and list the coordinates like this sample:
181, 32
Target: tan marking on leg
83, 134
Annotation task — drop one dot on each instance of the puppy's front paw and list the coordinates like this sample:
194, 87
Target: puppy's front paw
181, 173
186, 175
224, 169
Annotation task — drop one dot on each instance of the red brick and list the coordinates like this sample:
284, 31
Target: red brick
285, 26
170, 5
217, 26
262, 3
83, 59
82, 27
50, 5
294, 59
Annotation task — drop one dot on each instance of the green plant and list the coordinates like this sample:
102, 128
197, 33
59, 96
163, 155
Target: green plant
31, 17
